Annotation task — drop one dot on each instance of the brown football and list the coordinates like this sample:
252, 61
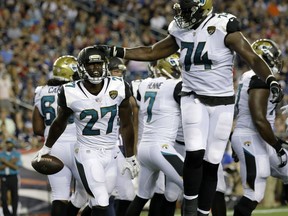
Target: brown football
48, 164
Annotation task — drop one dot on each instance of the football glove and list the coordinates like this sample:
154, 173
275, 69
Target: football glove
112, 51
43, 151
281, 154
277, 93
131, 164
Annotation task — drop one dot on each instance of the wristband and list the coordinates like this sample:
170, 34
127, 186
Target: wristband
270, 79
118, 52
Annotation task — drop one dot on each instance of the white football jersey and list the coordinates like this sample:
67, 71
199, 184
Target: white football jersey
96, 116
206, 61
159, 109
46, 101
250, 80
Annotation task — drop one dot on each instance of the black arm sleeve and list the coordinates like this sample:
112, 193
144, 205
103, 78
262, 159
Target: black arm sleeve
257, 83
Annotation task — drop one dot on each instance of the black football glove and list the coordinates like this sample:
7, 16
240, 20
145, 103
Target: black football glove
277, 93
282, 156
112, 51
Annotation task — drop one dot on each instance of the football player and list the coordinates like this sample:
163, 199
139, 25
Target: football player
44, 113
259, 150
159, 106
208, 43
96, 101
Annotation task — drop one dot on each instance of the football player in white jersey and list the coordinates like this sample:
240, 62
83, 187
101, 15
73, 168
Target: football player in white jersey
159, 105
44, 112
208, 43
260, 152
96, 101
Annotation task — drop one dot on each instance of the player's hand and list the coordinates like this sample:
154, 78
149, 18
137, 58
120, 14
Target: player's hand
281, 153
131, 164
277, 93
43, 151
282, 156
284, 109
108, 50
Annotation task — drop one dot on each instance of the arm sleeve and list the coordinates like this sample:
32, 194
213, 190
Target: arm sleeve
257, 83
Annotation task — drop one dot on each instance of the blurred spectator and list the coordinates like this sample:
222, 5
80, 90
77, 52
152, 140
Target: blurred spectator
10, 161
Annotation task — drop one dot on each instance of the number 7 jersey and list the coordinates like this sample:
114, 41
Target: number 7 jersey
95, 116
206, 61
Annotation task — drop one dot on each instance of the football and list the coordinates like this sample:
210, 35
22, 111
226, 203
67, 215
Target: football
48, 164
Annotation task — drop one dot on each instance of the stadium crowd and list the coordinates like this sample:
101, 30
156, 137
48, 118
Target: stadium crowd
34, 33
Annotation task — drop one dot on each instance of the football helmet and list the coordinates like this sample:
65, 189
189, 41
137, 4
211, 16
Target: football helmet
270, 52
116, 65
92, 64
65, 68
190, 12
168, 67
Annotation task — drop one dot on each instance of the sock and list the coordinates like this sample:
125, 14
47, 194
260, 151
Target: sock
121, 207
58, 208
192, 172
136, 206
110, 208
168, 208
72, 210
208, 186
86, 211
244, 207
219, 204
190, 207
155, 204
99, 211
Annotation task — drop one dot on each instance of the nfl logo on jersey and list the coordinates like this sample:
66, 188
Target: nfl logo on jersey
113, 94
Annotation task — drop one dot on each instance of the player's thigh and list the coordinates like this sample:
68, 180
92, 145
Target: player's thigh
91, 167
170, 162
195, 121
220, 125
254, 163
60, 184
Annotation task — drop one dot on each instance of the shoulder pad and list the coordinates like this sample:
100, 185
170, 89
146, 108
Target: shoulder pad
233, 25
172, 27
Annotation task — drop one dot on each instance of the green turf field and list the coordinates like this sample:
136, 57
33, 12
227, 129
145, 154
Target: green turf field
265, 212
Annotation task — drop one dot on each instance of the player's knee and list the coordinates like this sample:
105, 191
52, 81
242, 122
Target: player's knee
194, 158
171, 196
79, 199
